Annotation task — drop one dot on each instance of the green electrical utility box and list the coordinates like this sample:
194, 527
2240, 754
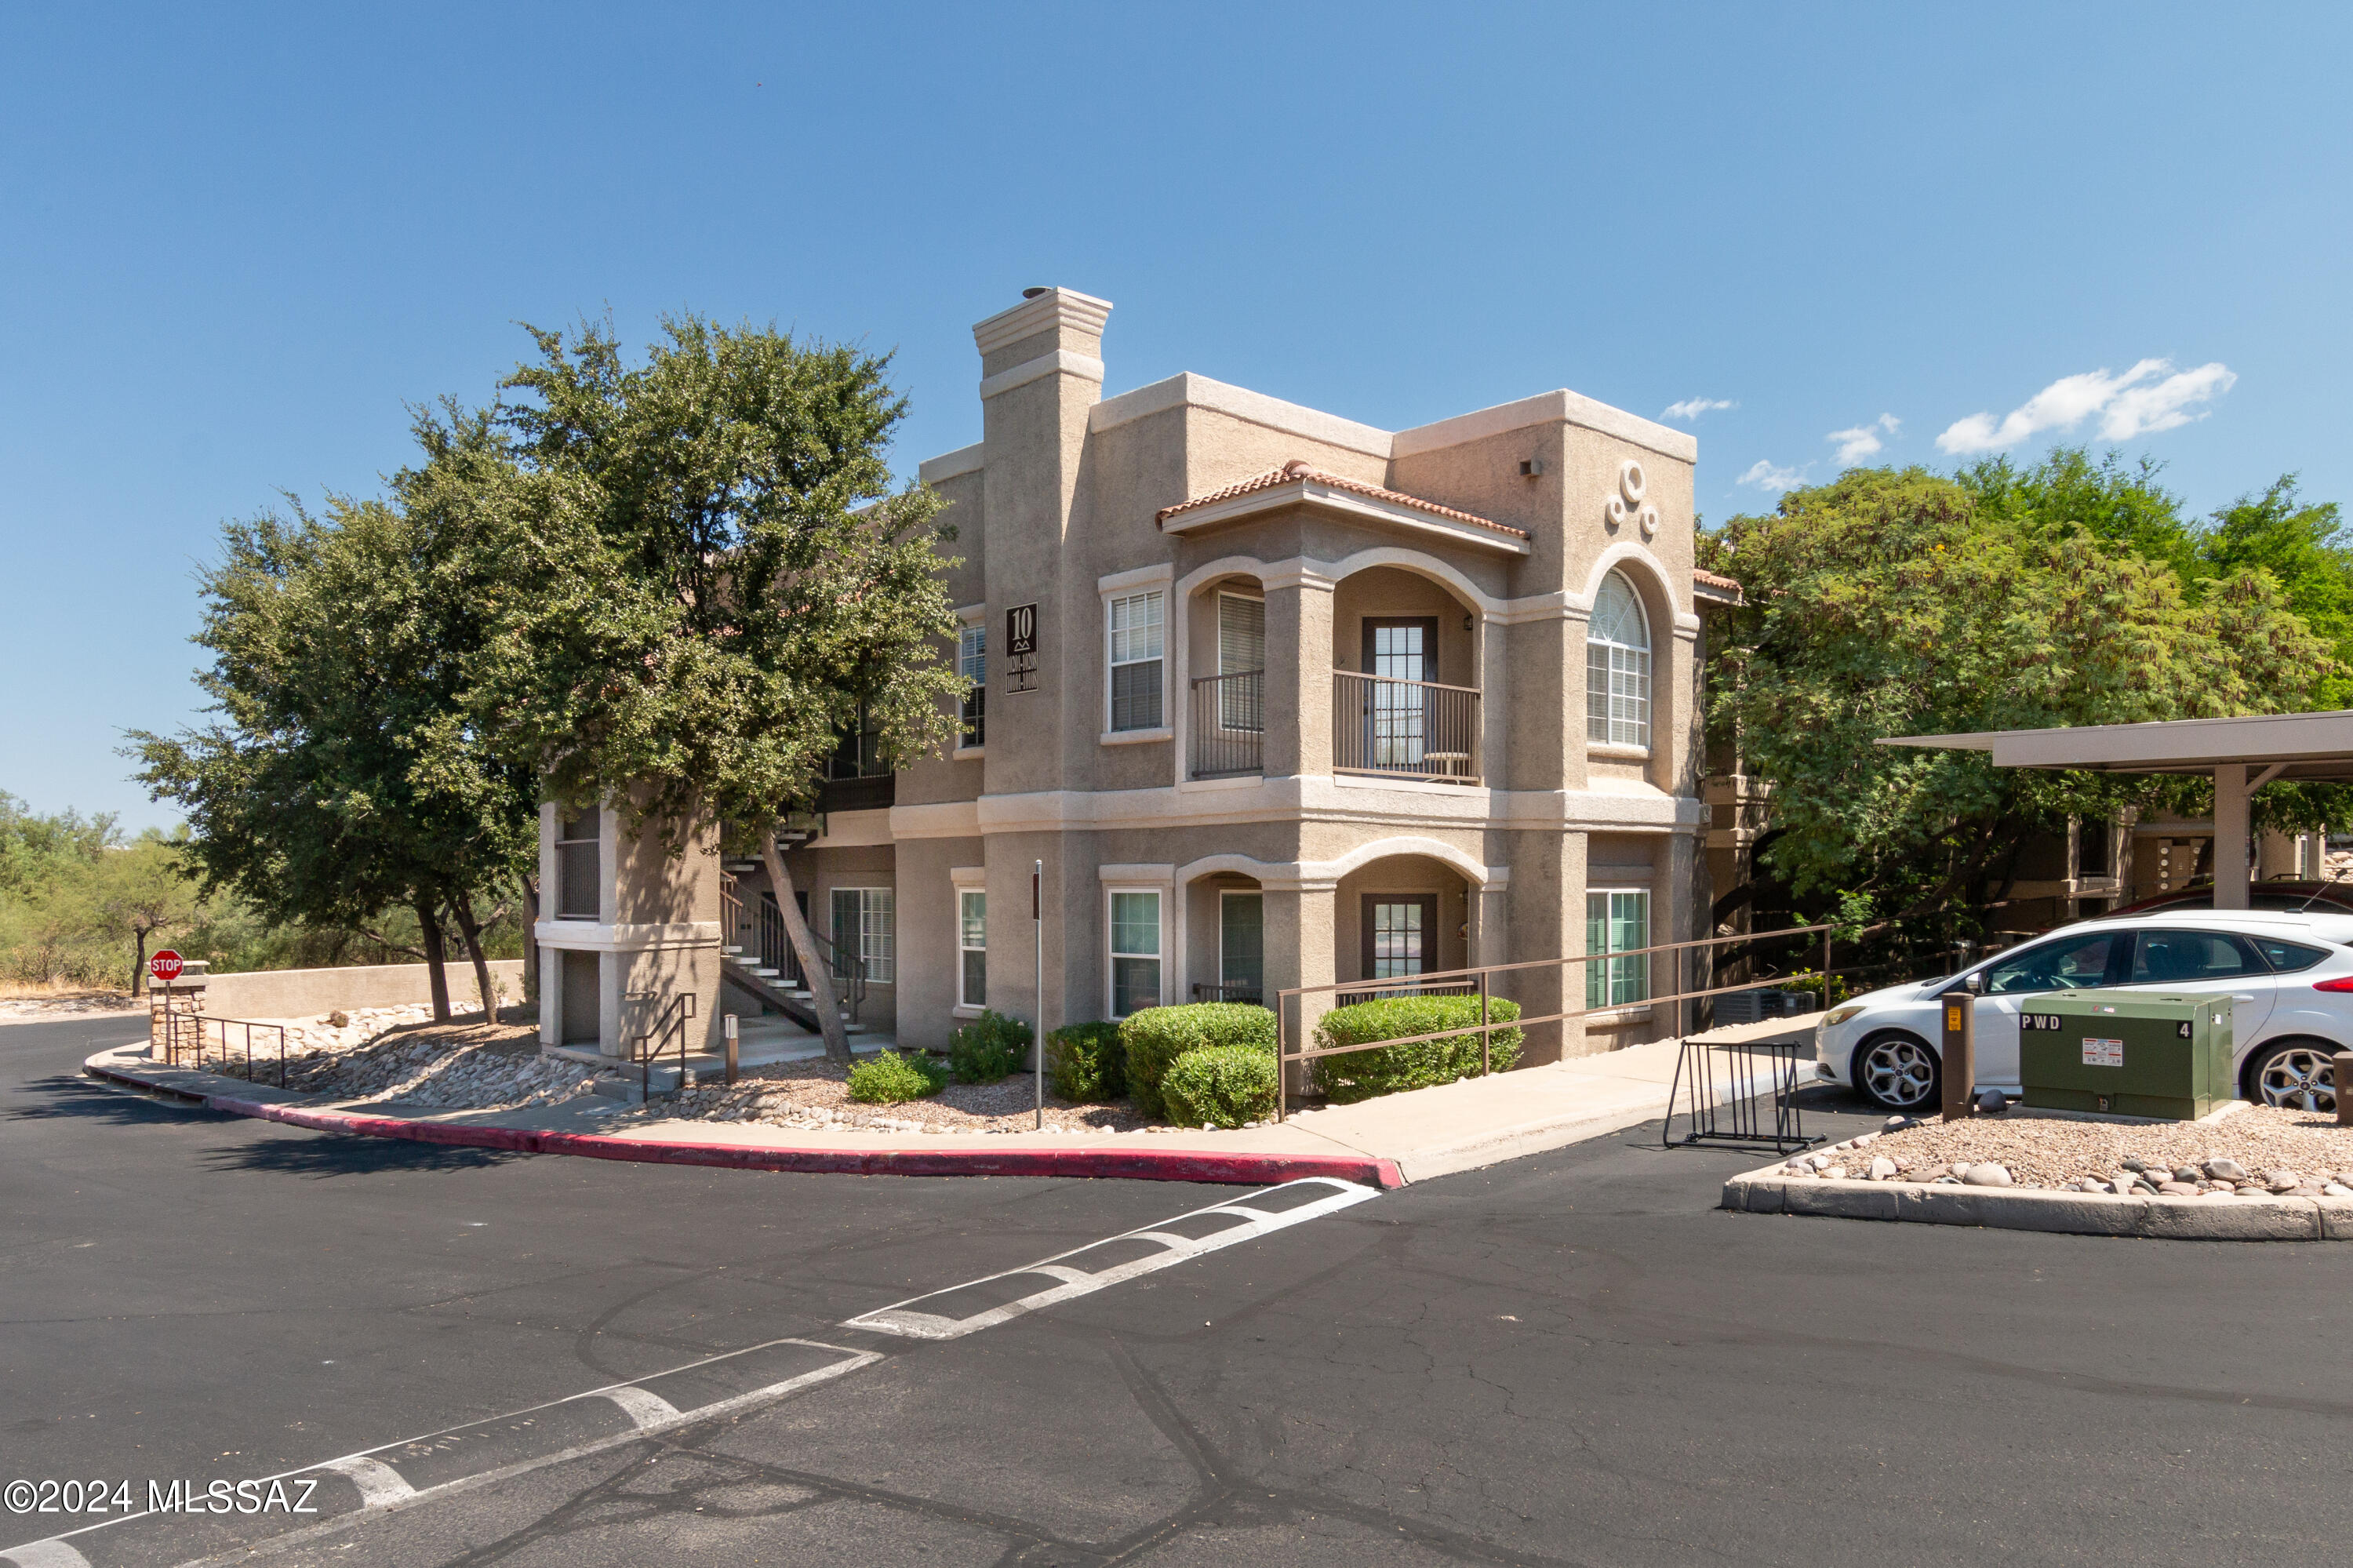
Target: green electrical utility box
2128, 1052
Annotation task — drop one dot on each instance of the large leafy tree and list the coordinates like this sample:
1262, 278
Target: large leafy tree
340, 777
1891, 603
700, 578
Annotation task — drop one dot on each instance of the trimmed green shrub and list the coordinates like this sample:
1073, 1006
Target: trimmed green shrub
887, 1079
1361, 1075
1085, 1063
1224, 1086
987, 1048
1154, 1037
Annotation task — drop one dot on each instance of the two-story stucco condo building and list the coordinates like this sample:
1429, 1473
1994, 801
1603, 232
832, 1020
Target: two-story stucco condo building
1278, 699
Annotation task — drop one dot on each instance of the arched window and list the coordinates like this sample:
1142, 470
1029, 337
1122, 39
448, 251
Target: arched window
1618, 667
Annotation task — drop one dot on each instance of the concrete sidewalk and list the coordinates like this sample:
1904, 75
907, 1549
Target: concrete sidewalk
1394, 1139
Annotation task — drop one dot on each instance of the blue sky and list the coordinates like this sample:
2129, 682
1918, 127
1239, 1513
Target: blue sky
238, 241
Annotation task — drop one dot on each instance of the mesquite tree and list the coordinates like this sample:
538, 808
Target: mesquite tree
338, 778
701, 579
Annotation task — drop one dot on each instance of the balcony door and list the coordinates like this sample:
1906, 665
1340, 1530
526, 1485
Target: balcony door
1399, 648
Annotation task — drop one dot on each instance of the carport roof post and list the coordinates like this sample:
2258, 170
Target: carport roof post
2243, 754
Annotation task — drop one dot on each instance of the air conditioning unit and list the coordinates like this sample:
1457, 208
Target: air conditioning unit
1763, 1003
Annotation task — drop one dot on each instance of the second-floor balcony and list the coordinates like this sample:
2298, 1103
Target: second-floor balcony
1229, 724
1406, 729
1380, 726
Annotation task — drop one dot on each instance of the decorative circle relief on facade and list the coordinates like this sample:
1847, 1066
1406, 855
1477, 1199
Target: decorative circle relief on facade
1633, 485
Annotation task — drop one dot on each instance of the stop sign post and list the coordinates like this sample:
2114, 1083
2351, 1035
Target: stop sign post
165, 966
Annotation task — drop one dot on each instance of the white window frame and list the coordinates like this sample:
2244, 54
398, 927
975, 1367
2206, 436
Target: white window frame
1113, 598
887, 973
1113, 892
964, 1000
1627, 734
1608, 971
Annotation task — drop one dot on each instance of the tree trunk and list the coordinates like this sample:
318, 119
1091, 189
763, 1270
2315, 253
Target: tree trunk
429, 934
470, 930
820, 973
138, 959
530, 939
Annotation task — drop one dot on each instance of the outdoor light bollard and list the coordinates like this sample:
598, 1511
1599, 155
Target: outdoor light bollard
730, 1031
2340, 1076
1960, 1051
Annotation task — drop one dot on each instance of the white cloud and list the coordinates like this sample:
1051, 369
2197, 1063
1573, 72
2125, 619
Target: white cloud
1765, 476
1863, 441
1693, 408
2150, 396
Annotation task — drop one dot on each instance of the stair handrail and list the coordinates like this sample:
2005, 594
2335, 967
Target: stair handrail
667, 1025
848, 965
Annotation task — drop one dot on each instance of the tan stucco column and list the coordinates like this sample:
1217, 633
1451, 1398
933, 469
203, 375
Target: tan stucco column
1298, 677
1299, 949
2231, 836
1544, 917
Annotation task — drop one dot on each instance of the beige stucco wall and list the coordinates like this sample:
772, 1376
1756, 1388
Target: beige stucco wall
306, 993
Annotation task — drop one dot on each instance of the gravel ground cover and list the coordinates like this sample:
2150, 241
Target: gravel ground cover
392, 1056
815, 1096
39, 1008
2257, 1151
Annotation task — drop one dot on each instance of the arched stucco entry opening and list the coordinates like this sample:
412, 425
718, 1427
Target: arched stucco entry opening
1400, 915
1225, 938
1405, 661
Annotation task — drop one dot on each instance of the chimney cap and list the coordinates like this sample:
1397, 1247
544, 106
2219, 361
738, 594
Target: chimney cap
1043, 310
1033, 293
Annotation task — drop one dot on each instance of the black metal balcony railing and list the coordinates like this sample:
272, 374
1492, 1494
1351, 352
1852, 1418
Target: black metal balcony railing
1407, 729
1229, 724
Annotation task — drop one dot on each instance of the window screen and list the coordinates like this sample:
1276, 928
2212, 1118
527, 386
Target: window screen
1134, 952
1136, 655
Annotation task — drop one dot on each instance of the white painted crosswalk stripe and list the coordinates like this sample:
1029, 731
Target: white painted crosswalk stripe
385, 1489
908, 1319
645, 1409
378, 1482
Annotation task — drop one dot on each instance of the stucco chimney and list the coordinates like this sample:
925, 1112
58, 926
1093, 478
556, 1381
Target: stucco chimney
1060, 327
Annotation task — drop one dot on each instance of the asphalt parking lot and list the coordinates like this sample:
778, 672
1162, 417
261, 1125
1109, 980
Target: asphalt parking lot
1572, 1358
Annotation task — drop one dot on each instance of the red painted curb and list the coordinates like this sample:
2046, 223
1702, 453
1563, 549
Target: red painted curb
1221, 1166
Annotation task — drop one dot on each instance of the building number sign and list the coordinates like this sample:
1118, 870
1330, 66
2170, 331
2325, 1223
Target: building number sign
1021, 648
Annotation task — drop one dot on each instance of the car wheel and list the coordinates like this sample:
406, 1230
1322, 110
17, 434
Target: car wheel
1897, 1073
2295, 1074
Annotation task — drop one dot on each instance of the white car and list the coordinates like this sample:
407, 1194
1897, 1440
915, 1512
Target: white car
2290, 976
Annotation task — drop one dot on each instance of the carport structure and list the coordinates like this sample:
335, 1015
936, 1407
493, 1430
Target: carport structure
2242, 754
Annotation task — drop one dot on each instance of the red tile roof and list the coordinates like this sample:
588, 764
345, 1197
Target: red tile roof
1721, 584
1298, 470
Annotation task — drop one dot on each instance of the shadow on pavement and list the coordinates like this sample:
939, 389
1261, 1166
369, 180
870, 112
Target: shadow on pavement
63, 1095
302, 1152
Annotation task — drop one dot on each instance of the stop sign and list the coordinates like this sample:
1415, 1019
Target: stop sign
165, 966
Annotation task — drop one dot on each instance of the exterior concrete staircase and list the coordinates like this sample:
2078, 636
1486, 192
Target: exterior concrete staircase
746, 971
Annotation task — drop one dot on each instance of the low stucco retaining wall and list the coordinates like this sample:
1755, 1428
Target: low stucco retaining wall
304, 993
2035, 1209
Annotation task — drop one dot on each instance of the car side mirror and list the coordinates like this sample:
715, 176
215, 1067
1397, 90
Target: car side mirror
1975, 984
